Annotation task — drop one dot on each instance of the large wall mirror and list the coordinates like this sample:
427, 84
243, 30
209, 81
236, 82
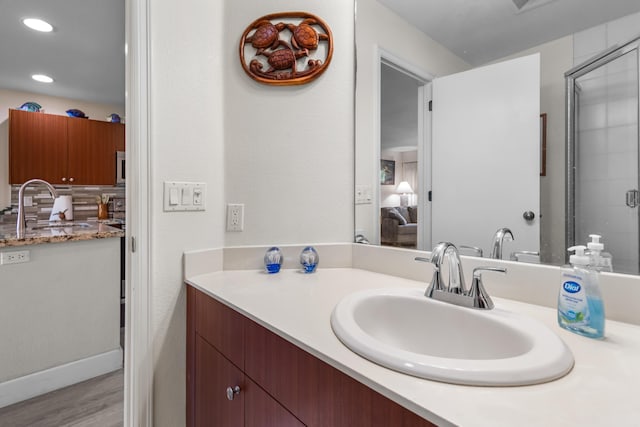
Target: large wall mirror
461, 127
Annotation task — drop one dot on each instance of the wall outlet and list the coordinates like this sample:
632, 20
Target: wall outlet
15, 257
235, 217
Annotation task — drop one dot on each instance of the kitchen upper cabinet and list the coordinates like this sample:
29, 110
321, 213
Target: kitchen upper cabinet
91, 151
62, 150
37, 146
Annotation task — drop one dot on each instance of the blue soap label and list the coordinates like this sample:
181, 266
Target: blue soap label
572, 287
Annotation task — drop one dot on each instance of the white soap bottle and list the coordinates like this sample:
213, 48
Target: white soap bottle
580, 307
600, 260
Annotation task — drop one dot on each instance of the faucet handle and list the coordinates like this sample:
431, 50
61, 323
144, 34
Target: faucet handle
481, 298
478, 251
515, 256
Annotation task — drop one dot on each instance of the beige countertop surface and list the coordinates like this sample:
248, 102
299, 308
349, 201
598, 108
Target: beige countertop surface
600, 389
56, 232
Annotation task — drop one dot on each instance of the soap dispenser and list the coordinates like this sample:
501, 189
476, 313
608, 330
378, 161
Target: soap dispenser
580, 307
600, 260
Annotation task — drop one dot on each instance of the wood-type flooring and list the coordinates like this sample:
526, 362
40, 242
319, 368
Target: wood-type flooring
96, 402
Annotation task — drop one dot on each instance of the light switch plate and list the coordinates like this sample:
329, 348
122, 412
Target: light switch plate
184, 196
363, 194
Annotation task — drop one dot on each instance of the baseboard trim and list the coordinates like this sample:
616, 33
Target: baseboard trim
28, 386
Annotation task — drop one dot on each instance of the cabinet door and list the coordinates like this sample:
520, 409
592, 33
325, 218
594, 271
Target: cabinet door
213, 374
261, 410
92, 151
120, 136
37, 147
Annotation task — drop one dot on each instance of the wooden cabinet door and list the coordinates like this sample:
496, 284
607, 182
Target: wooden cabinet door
213, 374
119, 130
37, 147
92, 151
262, 410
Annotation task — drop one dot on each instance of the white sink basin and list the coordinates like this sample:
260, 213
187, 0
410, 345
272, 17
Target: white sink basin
403, 330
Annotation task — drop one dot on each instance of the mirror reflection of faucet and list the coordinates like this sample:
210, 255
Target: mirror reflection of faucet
525, 256
473, 249
499, 237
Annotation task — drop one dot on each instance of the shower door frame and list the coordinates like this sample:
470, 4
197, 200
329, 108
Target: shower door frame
571, 121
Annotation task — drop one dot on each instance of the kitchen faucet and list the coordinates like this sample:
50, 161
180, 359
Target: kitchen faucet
21, 224
498, 239
455, 292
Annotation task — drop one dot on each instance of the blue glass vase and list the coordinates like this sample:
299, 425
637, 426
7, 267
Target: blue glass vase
273, 260
309, 259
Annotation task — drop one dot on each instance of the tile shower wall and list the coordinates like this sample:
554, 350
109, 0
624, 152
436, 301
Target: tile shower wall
84, 202
608, 138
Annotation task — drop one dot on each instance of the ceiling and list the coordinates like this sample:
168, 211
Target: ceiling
85, 53
480, 31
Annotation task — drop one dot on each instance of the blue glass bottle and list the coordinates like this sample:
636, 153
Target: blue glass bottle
273, 260
309, 259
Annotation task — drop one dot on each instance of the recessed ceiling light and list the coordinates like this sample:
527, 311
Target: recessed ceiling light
42, 78
37, 24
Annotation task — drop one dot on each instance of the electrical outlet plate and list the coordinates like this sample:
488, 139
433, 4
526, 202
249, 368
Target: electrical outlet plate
14, 257
235, 217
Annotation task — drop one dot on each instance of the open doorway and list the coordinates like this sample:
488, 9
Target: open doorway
404, 143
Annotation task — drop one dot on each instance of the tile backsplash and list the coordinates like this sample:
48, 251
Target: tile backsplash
84, 202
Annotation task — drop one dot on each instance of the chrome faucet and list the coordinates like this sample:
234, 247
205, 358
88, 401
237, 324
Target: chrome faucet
456, 283
498, 239
455, 292
21, 225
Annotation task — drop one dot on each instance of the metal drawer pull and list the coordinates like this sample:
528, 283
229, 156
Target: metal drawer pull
232, 391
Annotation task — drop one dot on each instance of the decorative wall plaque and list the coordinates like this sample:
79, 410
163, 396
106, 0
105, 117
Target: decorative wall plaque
286, 48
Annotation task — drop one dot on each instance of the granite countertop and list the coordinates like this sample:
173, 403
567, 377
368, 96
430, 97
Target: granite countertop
600, 390
55, 232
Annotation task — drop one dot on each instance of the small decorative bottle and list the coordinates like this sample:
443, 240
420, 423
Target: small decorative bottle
309, 259
273, 260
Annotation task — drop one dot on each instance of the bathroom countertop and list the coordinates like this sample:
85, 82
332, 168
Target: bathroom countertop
60, 232
600, 390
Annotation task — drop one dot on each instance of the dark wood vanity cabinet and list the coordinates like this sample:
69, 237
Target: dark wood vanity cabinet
280, 384
63, 150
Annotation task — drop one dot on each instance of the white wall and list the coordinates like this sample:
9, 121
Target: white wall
378, 27
289, 149
62, 306
285, 152
187, 144
51, 105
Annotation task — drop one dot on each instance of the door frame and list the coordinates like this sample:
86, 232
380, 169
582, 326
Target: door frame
138, 359
424, 139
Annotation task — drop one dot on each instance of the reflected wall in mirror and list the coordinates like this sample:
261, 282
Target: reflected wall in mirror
380, 30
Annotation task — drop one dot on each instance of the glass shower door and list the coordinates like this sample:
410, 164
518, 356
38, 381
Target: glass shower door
605, 155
